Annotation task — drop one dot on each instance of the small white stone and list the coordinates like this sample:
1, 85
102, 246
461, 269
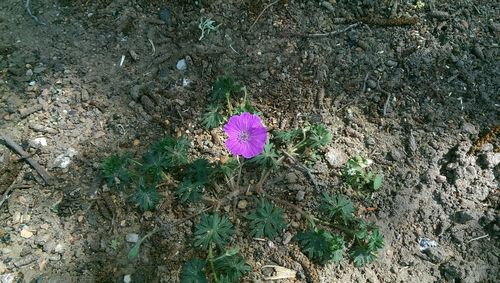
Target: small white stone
41, 141
181, 65
132, 238
127, 278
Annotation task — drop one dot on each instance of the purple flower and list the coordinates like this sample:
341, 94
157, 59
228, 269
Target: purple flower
247, 135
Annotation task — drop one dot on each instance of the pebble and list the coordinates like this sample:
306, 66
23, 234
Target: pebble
55, 257
49, 246
242, 204
469, 128
264, 75
132, 238
492, 159
25, 260
165, 15
25, 233
370, 141
371, 84
181, 65
127, 278
291, 178
29, 73
396, 154
287, 238
440, 179
328, 6
391, 63
59, 248
336, 157
7, 278
471, 171
300, 195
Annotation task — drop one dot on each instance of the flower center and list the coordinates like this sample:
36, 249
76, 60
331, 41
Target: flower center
244, 136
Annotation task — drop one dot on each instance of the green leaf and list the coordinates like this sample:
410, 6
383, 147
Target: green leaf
153, 166
362, 255
377, 182
223, 87
266, 220
193, 271
319, 136
134, 252
146, 195
268, 158
212, 229
231, 267
199, 171
114, 170
189, 191
246, 107
227, 168
173, 151
337, 207
321, 246
375, 241
288, 137
212, 118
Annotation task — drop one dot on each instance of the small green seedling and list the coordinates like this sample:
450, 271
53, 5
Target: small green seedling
358, 176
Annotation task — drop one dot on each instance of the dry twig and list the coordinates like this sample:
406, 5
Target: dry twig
260, 15
41, 171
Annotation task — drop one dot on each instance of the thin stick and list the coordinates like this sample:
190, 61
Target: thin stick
9, 142
478, 238
364, 83
6, 193
27, 6
260, 15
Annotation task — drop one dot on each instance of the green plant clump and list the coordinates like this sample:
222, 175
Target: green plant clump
358, 176
266, 220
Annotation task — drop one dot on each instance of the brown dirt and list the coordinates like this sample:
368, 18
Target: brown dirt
414, 94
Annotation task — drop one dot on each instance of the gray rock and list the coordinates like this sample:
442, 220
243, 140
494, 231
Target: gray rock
471, 172
55, 257
49, 246
132, 238
135, 92
336, 157
291, 178
264, 75
7, 278
391, 63
396, 154
127, 278
469, 128
242, 204
440, 179
371, 84
148, 104
370, 141
491, 159
181, 65
59, 248
300, 195
436, 255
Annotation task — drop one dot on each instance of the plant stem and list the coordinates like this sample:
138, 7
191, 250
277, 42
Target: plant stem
211, 263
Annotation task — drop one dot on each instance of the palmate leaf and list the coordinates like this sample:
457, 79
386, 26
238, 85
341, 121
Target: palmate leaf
337, 207
266, 220
321, 246
231, 266
268, 158
174, 152
114, 170
318, 136
375, 241
223, 87
288, 137
145, 195
212, 118
362, 256
193, 271
212, 229
199, 171
189, 191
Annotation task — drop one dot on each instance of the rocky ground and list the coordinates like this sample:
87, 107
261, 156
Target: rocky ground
412, 85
